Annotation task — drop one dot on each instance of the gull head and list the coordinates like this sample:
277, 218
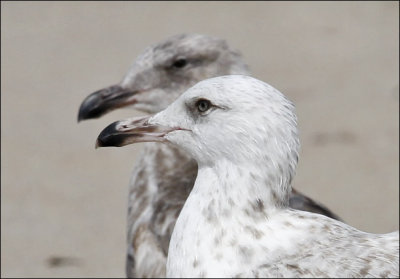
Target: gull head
163, 72
232, 118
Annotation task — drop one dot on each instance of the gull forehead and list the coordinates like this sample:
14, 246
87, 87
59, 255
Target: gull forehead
182, 43
239, 90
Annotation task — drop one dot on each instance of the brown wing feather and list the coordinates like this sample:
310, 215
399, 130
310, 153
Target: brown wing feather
299, 201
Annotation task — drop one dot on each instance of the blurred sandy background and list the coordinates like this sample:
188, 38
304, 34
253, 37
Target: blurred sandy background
63, 203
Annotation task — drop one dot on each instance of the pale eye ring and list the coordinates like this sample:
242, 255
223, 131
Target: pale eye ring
203, 105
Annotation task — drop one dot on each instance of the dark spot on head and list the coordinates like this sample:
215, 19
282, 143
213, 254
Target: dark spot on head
267, 266
245, 252
292, 266
254, 232
307, 255
253, 176
274, 196
195, 263
288, 224
258, 206
364, 271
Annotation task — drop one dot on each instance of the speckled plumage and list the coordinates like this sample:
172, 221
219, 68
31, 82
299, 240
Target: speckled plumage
237, 221
164, 175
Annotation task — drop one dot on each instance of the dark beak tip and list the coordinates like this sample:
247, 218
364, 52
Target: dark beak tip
92, 107
108, 136
83, 113
103, 101
88, 111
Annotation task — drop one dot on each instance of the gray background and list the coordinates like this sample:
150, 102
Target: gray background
62, 199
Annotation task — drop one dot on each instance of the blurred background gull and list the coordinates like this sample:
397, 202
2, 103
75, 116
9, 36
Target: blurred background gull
63, 203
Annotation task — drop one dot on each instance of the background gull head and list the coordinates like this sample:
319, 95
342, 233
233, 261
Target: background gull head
163, 71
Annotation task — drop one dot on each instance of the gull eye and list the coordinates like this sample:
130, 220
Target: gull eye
203, 105
180, 63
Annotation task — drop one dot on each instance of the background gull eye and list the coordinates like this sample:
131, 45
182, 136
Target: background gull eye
180, 63
203, 105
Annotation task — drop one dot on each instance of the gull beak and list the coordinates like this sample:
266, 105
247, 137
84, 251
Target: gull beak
132, 130
105, 100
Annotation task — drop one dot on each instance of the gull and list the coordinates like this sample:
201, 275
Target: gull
164, 175
237, 221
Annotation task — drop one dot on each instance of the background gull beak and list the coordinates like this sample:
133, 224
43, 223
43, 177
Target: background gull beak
105, 100
132, 130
